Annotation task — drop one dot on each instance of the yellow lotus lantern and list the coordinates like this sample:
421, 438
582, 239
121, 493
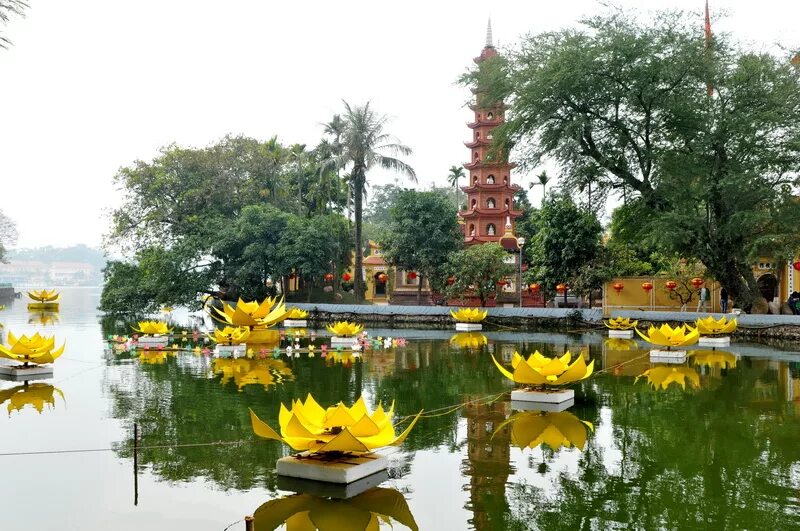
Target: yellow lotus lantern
540, 370
468, 340
661, 377
153, 328
296, 314
43, 299
36, 395
339, 429
713, 358
469, 315
716, 327
244, 372
620, 323
230, 335
366, 511
345, 329
666, 336
37, 350
258, 316
529, 429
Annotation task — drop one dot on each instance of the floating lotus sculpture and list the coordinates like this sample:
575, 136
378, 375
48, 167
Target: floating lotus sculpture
345, 329
309, 427
152, 328
541, 371
258, 316
713, 358
620, 323
715, 327
666, 336
36, 350
661, 377
469, 340
366, 511
469, 315
296, 314
230, 335
530, 429
36, 395
43, 299
244, 372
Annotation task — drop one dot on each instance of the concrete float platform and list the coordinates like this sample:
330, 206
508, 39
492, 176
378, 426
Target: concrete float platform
230, 351
295, 323
722, 341
621, 334
668, 356
153, 341
547, 407
32, 372
556, 396
468, 327
342, 469
342, 341
332, 490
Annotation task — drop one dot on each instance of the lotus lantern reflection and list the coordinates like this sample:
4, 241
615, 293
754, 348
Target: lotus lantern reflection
309, 427
620, 323
470, 340
666, 336
44, 295
153, 328
540, 370
530, 429
36, 349
366, 511
37, 395
469, 315
345, 328
661, 377
230, 335
297, 314
715, 327
713, 358
244, 372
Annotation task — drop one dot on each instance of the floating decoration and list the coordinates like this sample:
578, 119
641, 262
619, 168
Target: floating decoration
264, 372
670, 285
259, 317
230, 335
344, 437
543, 376
366, 511
469, 319
620, 327
296, 318
36, 395
342, 332
35, 353
666, 336
530, 429
715, 332
661, 377
713, 358
618, 287
153, 328
44, 300
468, 340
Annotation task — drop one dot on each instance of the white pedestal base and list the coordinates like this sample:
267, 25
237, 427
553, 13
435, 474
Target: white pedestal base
543, 397
332, 490
230, 351
32, 372
337, 341
549, 407
153, 341
668, 356
621, 334
468, 327
723, 341
295, 323
342, 470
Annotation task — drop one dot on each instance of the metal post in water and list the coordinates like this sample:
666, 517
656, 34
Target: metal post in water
135, 464
249, 524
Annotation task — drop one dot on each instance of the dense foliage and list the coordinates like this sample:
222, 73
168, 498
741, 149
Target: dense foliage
477, 269
8, 234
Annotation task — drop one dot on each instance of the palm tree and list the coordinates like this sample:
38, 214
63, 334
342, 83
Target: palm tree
543, 180
7, 9
363, 144
456, 173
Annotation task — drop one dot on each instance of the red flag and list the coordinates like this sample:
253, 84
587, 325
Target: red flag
709, 86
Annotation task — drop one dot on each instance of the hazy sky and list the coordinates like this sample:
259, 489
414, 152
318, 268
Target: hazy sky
91, 85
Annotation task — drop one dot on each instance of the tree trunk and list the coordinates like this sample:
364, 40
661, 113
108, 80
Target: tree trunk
358, 195
419, 290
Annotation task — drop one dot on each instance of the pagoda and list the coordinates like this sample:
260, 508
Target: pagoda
490, 210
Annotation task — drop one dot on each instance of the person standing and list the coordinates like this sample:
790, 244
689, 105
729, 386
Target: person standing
723, 300
703, 298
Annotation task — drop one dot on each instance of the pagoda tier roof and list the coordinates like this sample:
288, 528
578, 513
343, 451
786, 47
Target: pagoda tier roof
482, 164
484, 123
496, 107
508, 243
476, 143
491, 212
497, 187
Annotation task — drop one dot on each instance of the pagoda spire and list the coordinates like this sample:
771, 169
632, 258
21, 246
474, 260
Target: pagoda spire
489, 34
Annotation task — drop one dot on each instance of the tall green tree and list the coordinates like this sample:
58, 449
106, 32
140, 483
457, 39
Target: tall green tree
422, 233
364, 146
455, 175
623, 104
476, 269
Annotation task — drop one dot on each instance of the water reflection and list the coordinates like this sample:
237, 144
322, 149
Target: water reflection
43, 318
468, 340
244, 372
530, 429
34, 395
662, 376
366, 511
715, 359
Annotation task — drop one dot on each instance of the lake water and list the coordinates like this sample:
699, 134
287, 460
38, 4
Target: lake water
724, 454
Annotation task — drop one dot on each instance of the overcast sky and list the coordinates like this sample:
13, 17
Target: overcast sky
92, 85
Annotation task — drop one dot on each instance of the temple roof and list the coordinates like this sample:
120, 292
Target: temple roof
497, 187
490, 212
480, 163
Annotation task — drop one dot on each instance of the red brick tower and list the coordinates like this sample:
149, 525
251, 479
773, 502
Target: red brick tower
490, 194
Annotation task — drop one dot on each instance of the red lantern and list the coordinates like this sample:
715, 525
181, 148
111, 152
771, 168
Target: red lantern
382, 277
501, 282
618, 286
346, 277
451, 280
796, 266
535, 287
411, 275
647, 286
561, 288
697, 282
670, 285
291, 276
328, 277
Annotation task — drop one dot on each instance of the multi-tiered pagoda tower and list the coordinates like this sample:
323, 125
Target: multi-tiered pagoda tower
490, 206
